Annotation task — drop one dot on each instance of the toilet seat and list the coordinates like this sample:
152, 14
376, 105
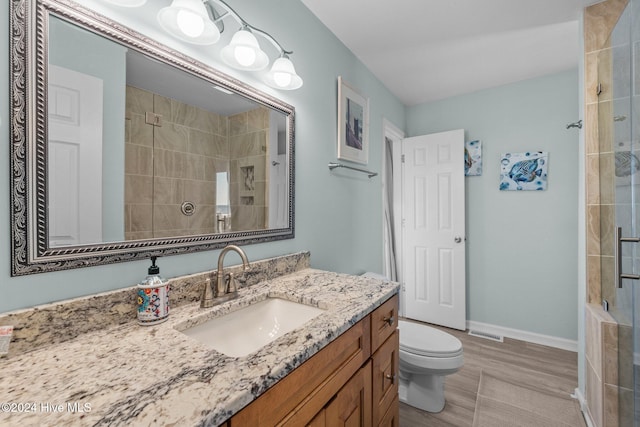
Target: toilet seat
422, 340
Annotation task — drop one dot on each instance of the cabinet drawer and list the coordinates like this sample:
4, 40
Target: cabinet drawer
384, 321
385, 371
299, 396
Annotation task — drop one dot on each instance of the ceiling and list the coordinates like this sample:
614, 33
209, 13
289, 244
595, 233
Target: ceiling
424, 50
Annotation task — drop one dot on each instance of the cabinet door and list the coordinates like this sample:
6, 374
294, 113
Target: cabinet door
385, 372
352, 405
392, 417
320, 420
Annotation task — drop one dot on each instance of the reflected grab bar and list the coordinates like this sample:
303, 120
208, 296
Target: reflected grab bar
618, 257
333, 165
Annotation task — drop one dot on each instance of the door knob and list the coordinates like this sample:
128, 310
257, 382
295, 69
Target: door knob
458, 239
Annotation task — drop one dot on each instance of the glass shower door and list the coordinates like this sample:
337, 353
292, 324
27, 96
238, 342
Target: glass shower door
618, 107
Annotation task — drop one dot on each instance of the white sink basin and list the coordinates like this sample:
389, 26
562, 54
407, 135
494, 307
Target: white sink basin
242, 332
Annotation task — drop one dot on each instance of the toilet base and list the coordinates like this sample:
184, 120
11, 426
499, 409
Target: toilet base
425, 392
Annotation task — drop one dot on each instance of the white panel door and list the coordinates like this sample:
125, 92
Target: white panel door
434, 228
74, 158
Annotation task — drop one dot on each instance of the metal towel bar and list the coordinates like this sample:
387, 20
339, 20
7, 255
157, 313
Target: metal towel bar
618, 256
333, 165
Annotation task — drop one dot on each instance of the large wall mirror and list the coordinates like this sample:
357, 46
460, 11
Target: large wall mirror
123, 148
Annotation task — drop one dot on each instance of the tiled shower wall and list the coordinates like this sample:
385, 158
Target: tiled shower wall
249, 152
601, 329
177, 162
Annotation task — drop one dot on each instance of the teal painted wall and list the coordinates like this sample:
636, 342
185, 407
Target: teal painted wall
522, 247
338, 216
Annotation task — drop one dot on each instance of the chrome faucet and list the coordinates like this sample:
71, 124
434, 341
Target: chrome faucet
223, 290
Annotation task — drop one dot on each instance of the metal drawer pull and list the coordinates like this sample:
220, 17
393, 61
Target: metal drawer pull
391, 377
389, 320
618, 256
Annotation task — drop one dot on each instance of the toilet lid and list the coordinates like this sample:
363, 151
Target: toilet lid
426, 341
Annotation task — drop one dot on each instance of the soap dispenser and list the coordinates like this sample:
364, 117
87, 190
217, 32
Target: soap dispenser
153, 297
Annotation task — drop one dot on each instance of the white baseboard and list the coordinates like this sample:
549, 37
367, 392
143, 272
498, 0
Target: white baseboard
517, 334
577, 394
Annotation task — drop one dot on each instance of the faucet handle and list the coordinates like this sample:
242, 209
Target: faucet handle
232, 286
206, 299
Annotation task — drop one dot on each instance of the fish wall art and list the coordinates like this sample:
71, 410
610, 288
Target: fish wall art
473, 158
524, 171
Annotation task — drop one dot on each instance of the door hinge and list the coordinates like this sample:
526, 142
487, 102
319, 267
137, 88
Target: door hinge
402, 158
403, 222
403, 287
153, 119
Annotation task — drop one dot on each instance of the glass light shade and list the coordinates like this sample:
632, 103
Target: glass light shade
244, 53
283, 75
188, 21
127, 3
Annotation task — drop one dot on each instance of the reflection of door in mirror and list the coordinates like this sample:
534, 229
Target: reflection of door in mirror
75, 157
86, 194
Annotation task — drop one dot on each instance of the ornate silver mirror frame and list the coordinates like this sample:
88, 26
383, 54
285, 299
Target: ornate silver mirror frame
30, 250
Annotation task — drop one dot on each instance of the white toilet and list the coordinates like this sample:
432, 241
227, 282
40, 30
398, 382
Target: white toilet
426, 356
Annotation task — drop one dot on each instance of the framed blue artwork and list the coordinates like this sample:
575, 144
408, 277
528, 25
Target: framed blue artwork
524, 171
473, 158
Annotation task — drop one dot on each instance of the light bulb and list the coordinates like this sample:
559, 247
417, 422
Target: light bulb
190, 23
245, 56
282, 79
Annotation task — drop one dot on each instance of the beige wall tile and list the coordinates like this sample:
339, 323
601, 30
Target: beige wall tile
592, 173
140, 133
141, 218
593, 280
138, 160
138, 189
610, 354
593, 343
171, 136
257, 119
593, 230
591, 129
171, 164
599, 20
605, 127
625, 356
168, 191
168, 217
594, 395
237, 124
610, 412
138, 101
591, 78
604, 77
607, 225
162, 106
200, 192
204, 218
607, 179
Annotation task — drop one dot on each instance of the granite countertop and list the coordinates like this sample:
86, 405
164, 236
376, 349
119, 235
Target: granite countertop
155, 375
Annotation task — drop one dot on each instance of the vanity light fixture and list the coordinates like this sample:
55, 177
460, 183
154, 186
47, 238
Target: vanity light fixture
189, 21
283, 74
200, 22
243, 52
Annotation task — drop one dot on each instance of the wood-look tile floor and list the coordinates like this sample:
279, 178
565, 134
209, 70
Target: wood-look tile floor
512, 358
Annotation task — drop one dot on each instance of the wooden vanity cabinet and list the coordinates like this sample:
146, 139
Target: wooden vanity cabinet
349, 382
